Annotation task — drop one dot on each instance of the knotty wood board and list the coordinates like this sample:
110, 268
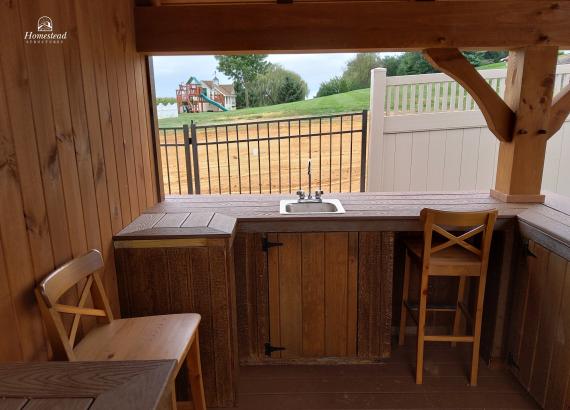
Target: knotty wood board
352, 26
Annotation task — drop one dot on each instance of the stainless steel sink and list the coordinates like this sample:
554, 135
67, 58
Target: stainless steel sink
327, 206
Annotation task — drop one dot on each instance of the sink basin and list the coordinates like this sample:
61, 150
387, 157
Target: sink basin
328, 206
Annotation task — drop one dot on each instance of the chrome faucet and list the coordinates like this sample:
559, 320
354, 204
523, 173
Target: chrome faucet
309, 198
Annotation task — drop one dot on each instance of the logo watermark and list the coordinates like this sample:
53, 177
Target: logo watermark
44, 33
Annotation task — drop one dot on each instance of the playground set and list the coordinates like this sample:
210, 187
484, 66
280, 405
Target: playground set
192, 97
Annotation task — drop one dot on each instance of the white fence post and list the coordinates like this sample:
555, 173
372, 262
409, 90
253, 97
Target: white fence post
376, 134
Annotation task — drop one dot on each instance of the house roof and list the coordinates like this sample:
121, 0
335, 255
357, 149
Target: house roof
225, 89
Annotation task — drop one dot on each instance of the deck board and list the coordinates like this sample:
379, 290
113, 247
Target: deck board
389, 384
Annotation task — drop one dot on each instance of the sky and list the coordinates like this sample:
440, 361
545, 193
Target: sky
169, 71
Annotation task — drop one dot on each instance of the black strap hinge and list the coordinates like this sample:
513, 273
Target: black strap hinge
270, 349
266, 244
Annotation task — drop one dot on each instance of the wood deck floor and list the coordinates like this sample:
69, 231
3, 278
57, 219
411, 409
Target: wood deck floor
388, 385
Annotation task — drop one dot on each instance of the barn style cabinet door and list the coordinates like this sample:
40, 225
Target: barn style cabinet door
540, 327
313, 294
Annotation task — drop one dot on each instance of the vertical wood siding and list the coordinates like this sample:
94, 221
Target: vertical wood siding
540, 327
76, 161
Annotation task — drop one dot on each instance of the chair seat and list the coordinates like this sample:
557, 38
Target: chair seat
453, 257
141, 338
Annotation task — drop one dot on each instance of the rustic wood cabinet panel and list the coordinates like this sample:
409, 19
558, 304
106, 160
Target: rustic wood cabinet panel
318, 295
540, 327
312, 294
179, 280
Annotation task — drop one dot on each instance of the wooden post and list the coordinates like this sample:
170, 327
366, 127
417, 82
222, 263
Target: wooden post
376, 134
530, 82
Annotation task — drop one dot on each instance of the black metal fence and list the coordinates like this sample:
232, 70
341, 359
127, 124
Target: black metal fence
266, 156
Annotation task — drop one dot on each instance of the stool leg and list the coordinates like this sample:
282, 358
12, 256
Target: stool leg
195, 375
477, 330
404, 314
421, 326
457, 318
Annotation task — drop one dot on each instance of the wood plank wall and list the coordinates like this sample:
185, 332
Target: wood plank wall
540, 327
76, 161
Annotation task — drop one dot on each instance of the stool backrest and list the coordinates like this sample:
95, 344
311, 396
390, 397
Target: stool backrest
476, 223
56, 284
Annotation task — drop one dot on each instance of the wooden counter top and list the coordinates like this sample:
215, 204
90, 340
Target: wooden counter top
220, 215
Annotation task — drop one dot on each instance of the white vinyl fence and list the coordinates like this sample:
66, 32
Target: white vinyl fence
431, 136
167, 111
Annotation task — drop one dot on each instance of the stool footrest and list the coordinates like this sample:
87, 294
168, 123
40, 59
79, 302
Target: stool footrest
445, 338
433, 307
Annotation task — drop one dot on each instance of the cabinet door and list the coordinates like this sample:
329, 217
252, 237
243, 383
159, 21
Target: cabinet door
313, 294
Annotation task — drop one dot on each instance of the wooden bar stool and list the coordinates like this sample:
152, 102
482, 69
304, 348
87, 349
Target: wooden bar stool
449, 256
141, 338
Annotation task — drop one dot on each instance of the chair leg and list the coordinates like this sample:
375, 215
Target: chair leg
174, 403
195, 375
458, 313
421, 327
477, 331
404, 314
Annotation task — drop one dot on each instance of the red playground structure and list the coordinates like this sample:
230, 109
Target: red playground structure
193, 97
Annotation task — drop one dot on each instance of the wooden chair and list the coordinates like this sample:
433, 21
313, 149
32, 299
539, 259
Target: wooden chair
454, 256
141, 338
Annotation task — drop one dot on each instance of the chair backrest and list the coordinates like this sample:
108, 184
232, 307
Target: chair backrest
473, 223
79, 271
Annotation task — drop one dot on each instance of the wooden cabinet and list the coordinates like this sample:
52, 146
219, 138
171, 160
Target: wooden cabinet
315, 294
540, 327
156, 279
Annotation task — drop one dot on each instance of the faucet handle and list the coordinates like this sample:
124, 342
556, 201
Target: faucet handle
301, 194
318, 193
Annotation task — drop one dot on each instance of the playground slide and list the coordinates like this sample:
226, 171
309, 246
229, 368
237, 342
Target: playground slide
217, 104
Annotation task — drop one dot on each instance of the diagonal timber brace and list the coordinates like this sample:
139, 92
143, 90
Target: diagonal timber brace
559, 111
500, 118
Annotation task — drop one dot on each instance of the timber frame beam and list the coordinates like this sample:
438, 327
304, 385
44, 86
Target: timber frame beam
372, 25
500, 118
523, 122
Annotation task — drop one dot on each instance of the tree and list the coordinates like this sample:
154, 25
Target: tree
293, 88
414, 63
277, 86
391, 64
243, 70
335, 85
357, 71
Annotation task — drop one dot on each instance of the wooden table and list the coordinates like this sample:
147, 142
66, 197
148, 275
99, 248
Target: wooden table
133, 385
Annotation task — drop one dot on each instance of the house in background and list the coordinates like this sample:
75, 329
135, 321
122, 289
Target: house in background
213, 88
204, 96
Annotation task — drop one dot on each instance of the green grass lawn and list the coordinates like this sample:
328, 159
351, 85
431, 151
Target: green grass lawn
357, 100
351, 101
501, 64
